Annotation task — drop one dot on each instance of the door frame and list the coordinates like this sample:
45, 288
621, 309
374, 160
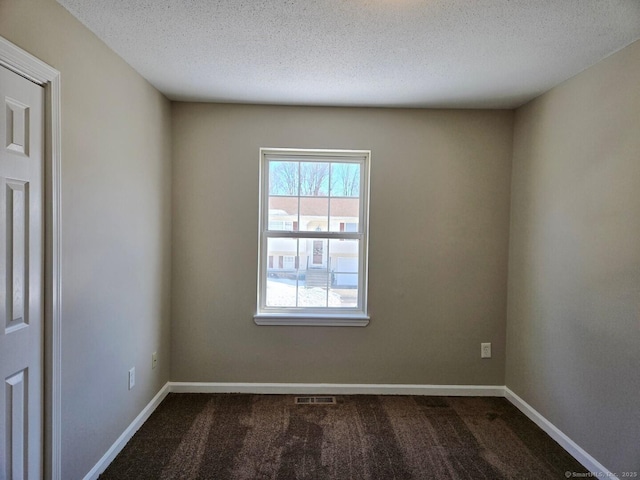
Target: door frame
28, 66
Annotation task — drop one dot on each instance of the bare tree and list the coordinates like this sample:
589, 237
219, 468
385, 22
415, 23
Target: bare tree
345, 179
283, 177
312, 179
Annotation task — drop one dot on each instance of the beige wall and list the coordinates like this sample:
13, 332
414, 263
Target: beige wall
115, 229
438, 246
573, 324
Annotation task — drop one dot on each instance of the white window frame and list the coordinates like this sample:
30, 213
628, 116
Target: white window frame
316, 316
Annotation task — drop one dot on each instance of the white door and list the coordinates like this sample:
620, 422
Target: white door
21, 260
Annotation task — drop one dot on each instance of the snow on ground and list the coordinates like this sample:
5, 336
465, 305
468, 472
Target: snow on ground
284, 295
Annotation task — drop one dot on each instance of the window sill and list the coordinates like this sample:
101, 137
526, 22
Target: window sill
312, 320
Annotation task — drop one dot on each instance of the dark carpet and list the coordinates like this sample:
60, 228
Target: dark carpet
368, 437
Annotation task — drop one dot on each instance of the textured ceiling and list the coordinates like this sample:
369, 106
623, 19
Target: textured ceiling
413, 53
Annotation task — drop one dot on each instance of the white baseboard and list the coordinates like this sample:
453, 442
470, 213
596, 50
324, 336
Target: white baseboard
122, 440
339, 389
565, 442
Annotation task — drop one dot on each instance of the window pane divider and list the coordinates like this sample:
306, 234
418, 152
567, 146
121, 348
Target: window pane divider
319, 235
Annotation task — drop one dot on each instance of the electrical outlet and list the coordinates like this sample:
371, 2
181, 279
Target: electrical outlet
132, 378
154, 360
485, 350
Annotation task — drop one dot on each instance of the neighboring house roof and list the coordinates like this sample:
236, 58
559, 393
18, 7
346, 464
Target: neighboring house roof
315, 206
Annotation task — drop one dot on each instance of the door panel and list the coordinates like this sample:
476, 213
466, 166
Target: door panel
21, 263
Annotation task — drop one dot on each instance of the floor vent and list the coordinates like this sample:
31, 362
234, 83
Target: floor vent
315, 400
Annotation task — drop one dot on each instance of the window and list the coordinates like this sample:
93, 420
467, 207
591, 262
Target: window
349, 227
280, 225
289, 263
314, 223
